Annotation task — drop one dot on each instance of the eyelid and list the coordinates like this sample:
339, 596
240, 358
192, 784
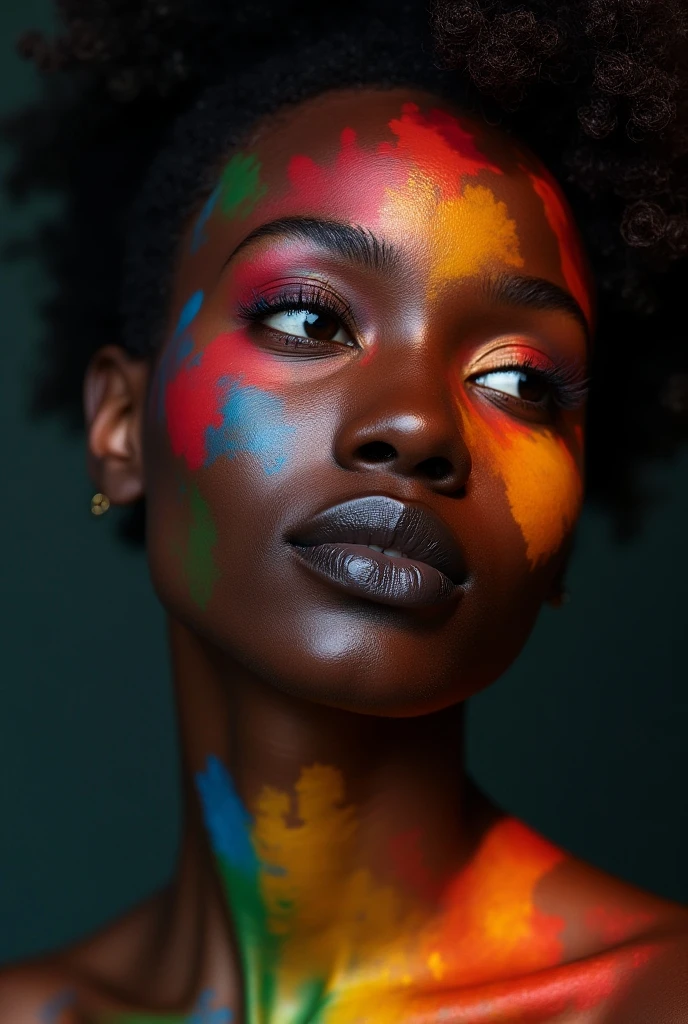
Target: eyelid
504, 355
306, 289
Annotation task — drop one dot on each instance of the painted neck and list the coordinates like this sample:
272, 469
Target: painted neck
334, 833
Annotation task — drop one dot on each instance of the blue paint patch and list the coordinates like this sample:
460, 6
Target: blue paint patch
180, 348
199, 237
53, 1010
252, 421
190, 311
226, 818
204, 1013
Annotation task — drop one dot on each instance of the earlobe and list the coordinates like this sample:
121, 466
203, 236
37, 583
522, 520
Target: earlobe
115, 388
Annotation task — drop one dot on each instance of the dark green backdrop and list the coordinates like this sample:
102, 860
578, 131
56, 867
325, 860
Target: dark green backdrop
585, 738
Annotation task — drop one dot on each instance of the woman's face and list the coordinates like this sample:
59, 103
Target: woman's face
381, 300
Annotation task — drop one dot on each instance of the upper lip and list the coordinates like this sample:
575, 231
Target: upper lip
418, 533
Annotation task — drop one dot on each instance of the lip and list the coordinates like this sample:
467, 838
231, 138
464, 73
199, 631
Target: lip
429, 570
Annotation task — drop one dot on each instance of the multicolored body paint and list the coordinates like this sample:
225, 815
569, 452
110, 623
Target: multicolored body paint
320, 944
215, 398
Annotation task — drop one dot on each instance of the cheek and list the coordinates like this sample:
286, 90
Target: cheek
541, 477
211, 404
223, 400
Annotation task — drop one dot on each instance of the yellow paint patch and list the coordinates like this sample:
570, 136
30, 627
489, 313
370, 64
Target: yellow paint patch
436, 965
376, 955
467, 232
331, 918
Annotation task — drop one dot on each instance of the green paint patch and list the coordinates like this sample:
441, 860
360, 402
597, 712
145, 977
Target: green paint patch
240, 185
201, 571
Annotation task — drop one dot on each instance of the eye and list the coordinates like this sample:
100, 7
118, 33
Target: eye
521, 384
318, 325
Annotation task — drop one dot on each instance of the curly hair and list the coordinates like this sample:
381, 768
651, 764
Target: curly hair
142, 98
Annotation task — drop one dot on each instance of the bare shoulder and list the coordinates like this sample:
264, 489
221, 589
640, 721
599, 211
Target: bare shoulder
658, 993
38, 994
644, 935
61, 988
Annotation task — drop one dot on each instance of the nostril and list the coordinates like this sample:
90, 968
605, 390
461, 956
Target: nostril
437, 468
377, 451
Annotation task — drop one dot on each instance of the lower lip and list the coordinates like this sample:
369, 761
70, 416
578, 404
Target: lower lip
358, 570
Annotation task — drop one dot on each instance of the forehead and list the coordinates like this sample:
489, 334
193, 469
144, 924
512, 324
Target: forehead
414, 171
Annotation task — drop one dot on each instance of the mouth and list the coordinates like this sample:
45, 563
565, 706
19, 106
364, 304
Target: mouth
384, 550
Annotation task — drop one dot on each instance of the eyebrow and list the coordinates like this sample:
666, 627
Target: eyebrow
361, 246
535, 293
355, 244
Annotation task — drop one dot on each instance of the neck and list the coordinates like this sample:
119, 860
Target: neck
335, 834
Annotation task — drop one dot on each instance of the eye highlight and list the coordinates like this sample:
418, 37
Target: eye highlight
528, 387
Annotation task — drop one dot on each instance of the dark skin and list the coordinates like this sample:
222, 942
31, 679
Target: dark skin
277, 671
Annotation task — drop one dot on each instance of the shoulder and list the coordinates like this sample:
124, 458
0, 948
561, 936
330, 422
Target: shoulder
659, 992
61, 988
644, 937
44, 994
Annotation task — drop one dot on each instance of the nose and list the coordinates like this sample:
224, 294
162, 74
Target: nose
413, 432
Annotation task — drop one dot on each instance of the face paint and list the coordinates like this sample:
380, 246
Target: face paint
236, 194
560, 221
210, 413
543, 483
482, 223
439, 145
252, 421
431, 158
178, 350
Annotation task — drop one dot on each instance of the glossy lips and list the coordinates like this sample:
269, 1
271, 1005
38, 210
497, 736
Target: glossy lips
428, 569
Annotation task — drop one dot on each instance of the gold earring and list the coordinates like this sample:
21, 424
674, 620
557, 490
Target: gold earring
100, 503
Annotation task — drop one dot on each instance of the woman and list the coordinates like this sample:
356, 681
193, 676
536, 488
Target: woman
349, 379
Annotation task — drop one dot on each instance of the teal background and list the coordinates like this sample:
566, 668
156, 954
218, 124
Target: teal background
585, 737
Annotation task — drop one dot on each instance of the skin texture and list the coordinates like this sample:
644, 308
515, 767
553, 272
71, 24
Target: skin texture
337, 866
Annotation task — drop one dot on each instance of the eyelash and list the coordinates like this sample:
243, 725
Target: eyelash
568, 389
313, 298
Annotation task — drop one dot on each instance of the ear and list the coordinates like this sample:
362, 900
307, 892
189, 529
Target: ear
115, 389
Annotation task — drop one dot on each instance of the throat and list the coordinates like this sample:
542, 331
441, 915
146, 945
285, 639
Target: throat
307, 917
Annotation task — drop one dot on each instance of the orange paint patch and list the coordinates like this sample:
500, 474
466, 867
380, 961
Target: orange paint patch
490, 926
543, 482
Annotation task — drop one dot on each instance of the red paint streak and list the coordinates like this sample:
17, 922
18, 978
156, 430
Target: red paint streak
560, 219
193, 396
439, 145
314, 186
406, 857
537, 998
